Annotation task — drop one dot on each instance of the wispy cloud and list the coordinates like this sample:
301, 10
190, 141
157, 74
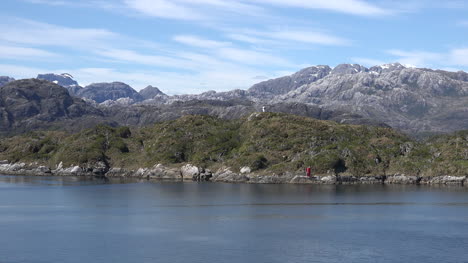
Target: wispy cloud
24, 31
453, 59
17, 52
459, 56
246, 38
353, 7
287, 37
310, 37
463, 23
200, 42
416, 57
251, 57
164, 9
198, 10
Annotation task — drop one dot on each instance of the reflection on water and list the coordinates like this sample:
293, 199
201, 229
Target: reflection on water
67, 219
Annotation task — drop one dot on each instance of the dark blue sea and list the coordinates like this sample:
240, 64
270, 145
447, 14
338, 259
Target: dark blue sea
54, 219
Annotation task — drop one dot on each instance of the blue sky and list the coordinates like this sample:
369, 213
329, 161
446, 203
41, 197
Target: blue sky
191, 46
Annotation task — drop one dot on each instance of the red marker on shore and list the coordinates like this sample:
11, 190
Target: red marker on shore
308, 171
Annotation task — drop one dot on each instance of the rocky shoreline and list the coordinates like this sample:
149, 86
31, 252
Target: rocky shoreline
190, 172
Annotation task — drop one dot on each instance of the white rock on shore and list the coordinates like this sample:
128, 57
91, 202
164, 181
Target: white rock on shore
189, 171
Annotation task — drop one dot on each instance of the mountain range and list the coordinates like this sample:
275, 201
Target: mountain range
413, 100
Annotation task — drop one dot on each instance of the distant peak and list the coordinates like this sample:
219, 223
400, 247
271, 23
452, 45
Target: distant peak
349, 69
391, 66
67, 75
150, 92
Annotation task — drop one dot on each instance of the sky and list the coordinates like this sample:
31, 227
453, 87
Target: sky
192, 46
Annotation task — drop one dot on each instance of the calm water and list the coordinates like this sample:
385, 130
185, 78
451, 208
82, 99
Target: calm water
72, 220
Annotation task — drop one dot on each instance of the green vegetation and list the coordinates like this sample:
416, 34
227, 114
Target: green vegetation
266, 142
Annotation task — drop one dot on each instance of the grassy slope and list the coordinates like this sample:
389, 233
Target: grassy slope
267, 142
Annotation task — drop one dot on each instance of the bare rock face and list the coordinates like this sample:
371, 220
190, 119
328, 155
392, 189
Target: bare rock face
4, 80
65, 80
413, 100
158, 171
301, 179
226, 175
245, 170
189, 172
283, 85
402, 179
410, 99
100, 92
31, 103
348, 69
151, 92
447, 179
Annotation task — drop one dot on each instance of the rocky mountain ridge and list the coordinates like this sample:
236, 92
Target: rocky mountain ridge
31, 104
413, 100
4, 80
39, 104
65, 80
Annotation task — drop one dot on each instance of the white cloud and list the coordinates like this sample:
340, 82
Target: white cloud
214, 60
25, 31
463, 23
286, 37
251, 57
368, 62
453, 59
417, 58
200, 42
310, 37
246, 38
17, 52
194, 10
459, 56
131, 56
164, 9
354, 7
19, 72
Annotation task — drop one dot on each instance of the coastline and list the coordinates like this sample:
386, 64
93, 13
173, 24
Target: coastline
190, 172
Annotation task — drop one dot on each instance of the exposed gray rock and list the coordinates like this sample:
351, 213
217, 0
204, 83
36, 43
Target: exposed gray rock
9, 168
330, 179
270, 179
301, 179
4, 80
100, 168
402, 179
38, 104
348, 69
158, 171
43, 169
69, 171
409, 99
65, 80
226, 175
101, 92
245, 170
151, 92
119, 172
189, 172
413, 100
448, 180
270, 88
372, 179
161, 172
